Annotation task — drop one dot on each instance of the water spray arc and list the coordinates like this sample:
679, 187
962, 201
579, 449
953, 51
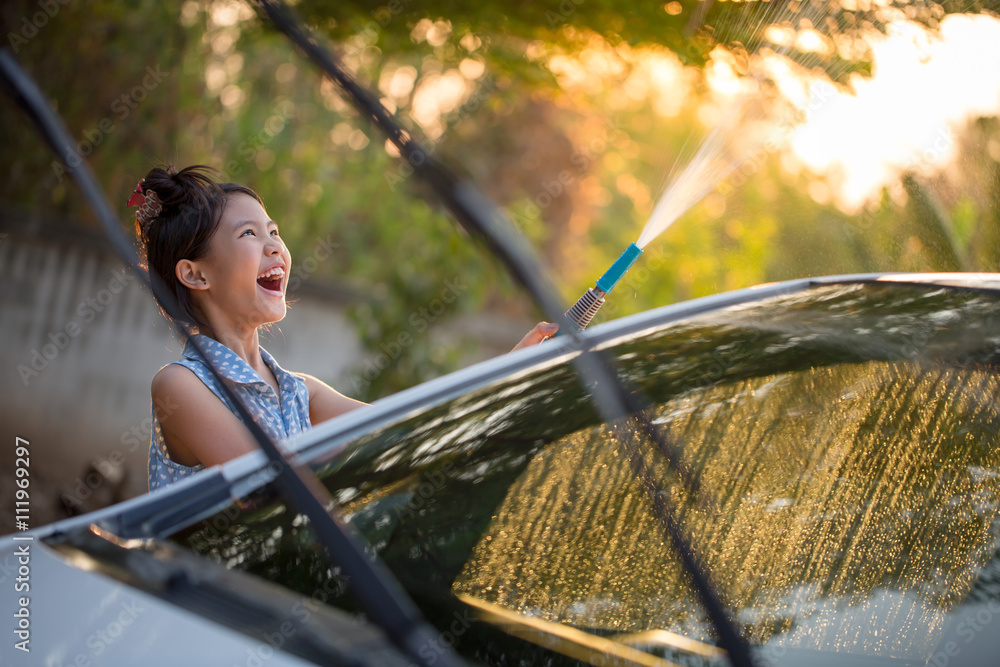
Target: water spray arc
587, 306
724, 150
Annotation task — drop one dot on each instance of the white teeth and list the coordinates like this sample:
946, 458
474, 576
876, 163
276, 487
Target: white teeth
276, 271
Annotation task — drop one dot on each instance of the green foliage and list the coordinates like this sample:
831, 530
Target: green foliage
578, 169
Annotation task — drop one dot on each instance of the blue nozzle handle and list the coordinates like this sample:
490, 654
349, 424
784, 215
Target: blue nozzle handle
611, 277
584, 310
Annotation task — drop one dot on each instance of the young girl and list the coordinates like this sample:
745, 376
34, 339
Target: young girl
219, 254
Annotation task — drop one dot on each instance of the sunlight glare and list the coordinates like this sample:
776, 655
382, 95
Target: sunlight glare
923, 88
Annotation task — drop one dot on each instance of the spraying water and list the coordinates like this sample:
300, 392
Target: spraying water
788, 28
714, 161
729, 145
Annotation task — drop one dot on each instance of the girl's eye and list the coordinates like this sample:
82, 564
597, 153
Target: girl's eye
274, 232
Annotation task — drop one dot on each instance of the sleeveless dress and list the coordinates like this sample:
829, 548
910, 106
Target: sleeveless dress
281, 416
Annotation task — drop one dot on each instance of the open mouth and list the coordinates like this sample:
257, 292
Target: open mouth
273, 284
271, 280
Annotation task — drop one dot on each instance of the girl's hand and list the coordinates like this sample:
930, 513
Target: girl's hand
541, 331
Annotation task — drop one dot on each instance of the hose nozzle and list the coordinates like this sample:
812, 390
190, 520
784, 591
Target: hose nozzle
584, 310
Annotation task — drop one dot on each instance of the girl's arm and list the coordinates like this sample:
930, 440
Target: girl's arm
325, 402
197, 427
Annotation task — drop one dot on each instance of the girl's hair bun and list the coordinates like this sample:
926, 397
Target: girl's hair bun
191, 203
175, 188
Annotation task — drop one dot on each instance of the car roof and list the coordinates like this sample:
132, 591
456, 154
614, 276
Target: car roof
166, 510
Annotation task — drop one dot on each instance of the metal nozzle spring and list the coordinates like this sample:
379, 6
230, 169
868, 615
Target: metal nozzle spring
584, 310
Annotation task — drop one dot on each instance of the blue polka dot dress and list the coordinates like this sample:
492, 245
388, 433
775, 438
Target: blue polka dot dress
281, 416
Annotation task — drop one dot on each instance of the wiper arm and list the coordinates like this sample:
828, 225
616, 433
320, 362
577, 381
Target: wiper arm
380, 595
483, 220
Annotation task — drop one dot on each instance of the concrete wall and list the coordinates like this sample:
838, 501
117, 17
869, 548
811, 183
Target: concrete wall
81, 340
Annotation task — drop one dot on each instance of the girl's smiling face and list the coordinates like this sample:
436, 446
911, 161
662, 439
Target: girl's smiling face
241, 281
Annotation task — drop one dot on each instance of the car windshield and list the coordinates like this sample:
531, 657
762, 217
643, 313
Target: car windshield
844, 443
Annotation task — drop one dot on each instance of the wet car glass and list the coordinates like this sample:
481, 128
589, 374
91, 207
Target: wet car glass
844, 441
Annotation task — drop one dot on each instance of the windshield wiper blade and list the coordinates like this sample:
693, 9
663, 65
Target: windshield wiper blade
483, 220
380, 595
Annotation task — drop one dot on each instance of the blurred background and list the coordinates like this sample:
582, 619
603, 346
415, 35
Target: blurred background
791, 140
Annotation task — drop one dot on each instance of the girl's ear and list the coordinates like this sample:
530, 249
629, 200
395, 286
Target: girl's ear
190, 275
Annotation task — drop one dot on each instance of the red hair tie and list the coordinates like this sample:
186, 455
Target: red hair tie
148, 203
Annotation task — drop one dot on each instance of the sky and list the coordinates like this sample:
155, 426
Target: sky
924, 88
